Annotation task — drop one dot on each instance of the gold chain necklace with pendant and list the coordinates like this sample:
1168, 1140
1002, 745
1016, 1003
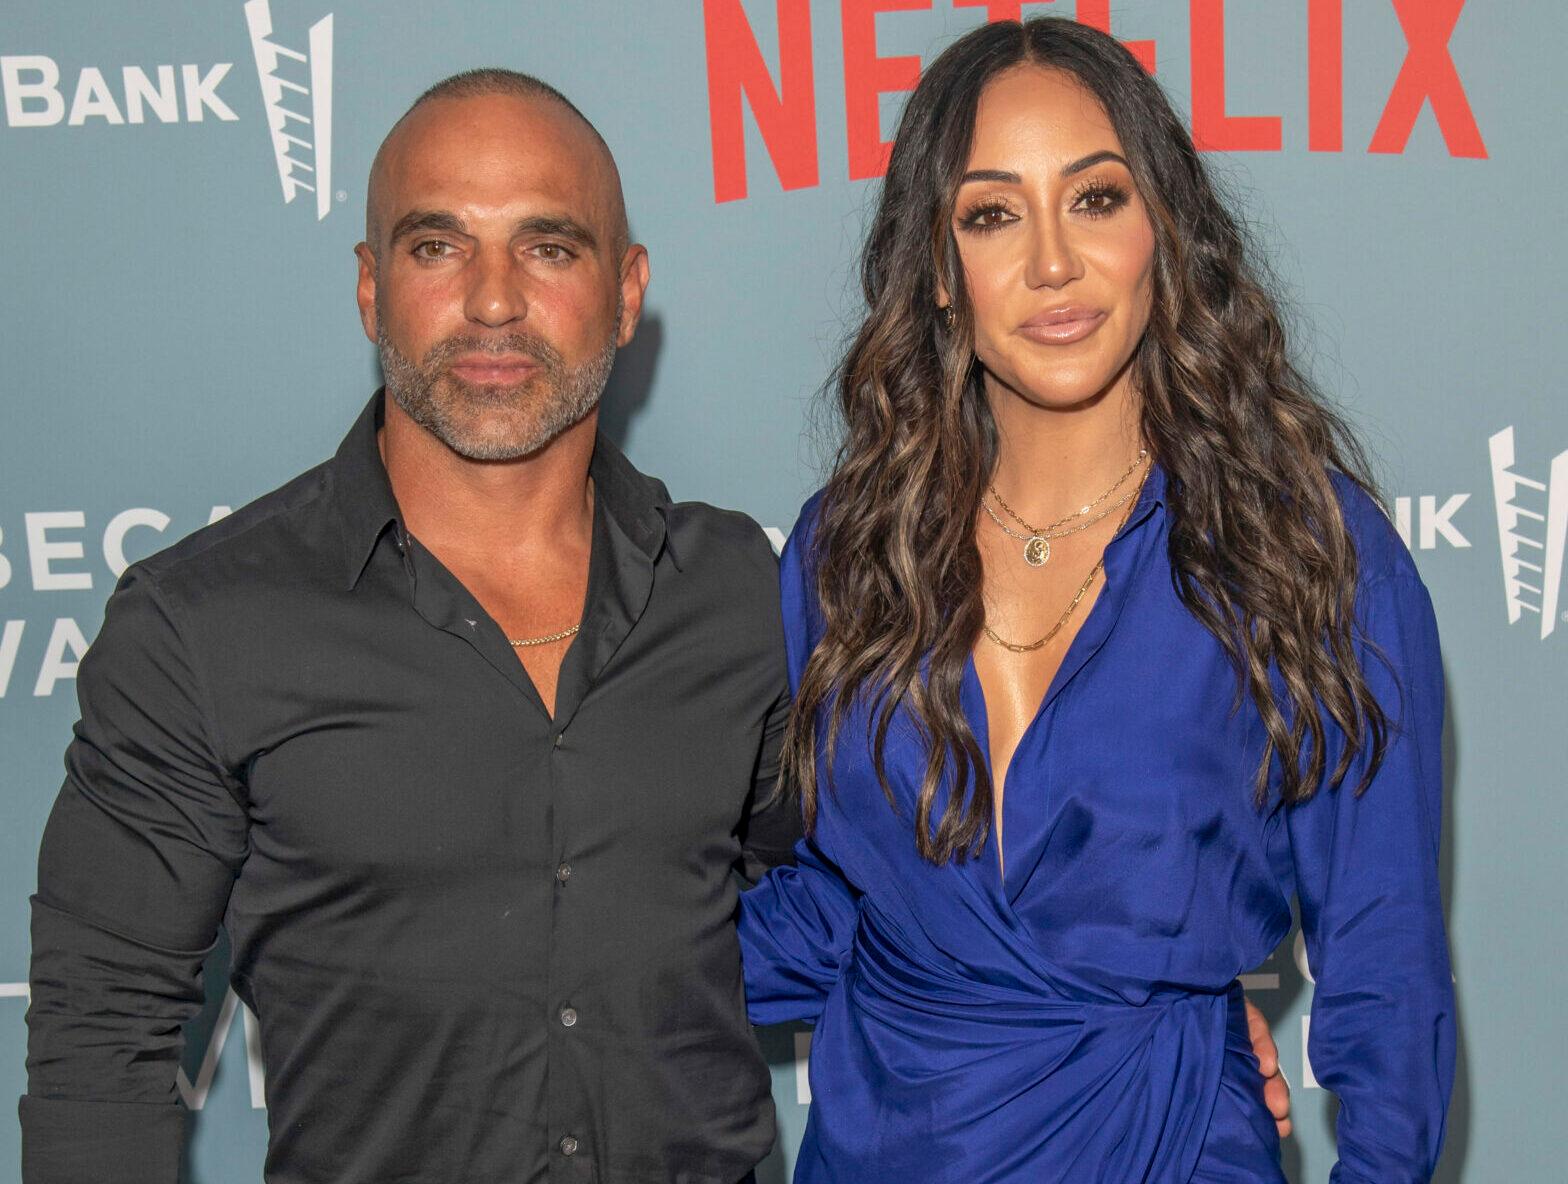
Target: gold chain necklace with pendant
1037, 542
1029, 647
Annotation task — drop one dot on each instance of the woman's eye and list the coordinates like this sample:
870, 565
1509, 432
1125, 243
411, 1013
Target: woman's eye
1099, 201
985, 218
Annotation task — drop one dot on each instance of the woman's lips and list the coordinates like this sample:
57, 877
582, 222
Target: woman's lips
1062, 326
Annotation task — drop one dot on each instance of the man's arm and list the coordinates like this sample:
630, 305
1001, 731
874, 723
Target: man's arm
772, 825
137, 862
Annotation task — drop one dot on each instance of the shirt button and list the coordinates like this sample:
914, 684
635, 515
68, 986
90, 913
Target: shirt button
564, 872
568, 1145
559, 736
568, 1017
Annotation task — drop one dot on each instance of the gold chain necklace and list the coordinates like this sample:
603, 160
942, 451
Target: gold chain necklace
1037, 542
519, 643
1083, 589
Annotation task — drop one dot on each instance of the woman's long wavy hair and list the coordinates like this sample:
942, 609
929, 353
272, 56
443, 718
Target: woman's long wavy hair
1258, 546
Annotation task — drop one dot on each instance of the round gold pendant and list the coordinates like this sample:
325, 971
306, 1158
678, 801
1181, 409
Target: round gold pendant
1037, 551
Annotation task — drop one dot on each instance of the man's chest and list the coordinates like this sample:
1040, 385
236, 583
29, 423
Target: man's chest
413, 755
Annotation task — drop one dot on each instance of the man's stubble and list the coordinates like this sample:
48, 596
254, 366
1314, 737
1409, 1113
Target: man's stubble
534, 412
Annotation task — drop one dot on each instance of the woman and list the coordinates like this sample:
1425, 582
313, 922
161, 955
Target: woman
1102, 653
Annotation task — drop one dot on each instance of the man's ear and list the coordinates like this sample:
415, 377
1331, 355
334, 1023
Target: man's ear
365, 290
634, 284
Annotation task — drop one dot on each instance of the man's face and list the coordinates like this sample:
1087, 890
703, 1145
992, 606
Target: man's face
495, 283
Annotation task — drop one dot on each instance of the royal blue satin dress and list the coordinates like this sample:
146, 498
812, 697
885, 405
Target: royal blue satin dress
1079, 1020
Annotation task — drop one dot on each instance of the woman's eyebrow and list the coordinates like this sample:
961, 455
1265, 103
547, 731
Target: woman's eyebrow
1003, 177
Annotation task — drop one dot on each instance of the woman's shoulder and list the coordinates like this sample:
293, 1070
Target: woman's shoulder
803, 625
1380, 552
810, 512
800, 548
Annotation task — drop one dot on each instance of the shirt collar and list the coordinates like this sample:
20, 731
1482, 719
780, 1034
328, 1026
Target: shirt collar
366, 506
636, 502
1151, 497
365, 503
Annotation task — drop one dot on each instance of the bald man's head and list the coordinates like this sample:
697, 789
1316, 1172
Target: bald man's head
496, 278
489, 82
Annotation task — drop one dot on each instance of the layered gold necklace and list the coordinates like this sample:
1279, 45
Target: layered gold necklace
1028, 647
1037, 539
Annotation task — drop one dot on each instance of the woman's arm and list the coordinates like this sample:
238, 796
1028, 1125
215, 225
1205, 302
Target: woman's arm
795, 930
1366, 869
797, 923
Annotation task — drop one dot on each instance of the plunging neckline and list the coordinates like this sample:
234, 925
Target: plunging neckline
1091, 634
983, 735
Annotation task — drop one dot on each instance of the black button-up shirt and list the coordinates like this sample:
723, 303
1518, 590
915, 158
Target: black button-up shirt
482, 944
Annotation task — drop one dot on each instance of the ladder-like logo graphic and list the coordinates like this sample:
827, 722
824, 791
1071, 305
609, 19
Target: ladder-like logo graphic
301, 143
1532, 527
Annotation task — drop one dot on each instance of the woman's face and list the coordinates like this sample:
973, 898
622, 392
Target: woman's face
1056, 247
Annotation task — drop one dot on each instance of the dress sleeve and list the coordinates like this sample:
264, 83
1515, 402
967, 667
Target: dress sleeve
797, 923
1366, 868
795, 929
137, 862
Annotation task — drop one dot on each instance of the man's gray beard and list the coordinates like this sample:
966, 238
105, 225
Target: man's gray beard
549, 401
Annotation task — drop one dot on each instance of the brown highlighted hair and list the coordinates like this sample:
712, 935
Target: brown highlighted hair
1259, 549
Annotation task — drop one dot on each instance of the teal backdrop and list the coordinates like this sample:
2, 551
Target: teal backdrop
182, 184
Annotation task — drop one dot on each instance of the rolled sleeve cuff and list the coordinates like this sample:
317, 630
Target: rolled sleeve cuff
73, 1142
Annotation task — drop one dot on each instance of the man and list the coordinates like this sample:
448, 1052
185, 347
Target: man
460, 735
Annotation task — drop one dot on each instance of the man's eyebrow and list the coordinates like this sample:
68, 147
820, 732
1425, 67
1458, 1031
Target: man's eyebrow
558, 226
417, 220
1003, 177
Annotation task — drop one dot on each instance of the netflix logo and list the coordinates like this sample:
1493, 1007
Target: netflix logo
785, 107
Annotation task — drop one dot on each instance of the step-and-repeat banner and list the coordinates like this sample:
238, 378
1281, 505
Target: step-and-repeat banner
182, 184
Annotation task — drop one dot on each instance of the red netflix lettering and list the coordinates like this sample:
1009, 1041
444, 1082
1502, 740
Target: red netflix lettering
1429, 73
866, 78
785, 114
1326, 76
1212, 129
995, 10
1097, 15
1094, 13
1000, 10
787, 118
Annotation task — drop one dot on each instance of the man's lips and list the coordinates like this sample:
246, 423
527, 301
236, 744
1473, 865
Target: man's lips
1063, 326
494, 368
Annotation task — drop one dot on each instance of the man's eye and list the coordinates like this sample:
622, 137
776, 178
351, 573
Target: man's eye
552, 252
432, 249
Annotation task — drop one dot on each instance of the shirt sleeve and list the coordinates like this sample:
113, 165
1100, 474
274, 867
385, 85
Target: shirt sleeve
796, 925
134, 873
773, 824
1366, 867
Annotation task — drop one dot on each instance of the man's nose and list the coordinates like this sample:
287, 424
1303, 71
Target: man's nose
495, 291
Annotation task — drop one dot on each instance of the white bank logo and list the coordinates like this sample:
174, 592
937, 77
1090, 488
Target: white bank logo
301, 143
1532, 530
1532, 526
296, 92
